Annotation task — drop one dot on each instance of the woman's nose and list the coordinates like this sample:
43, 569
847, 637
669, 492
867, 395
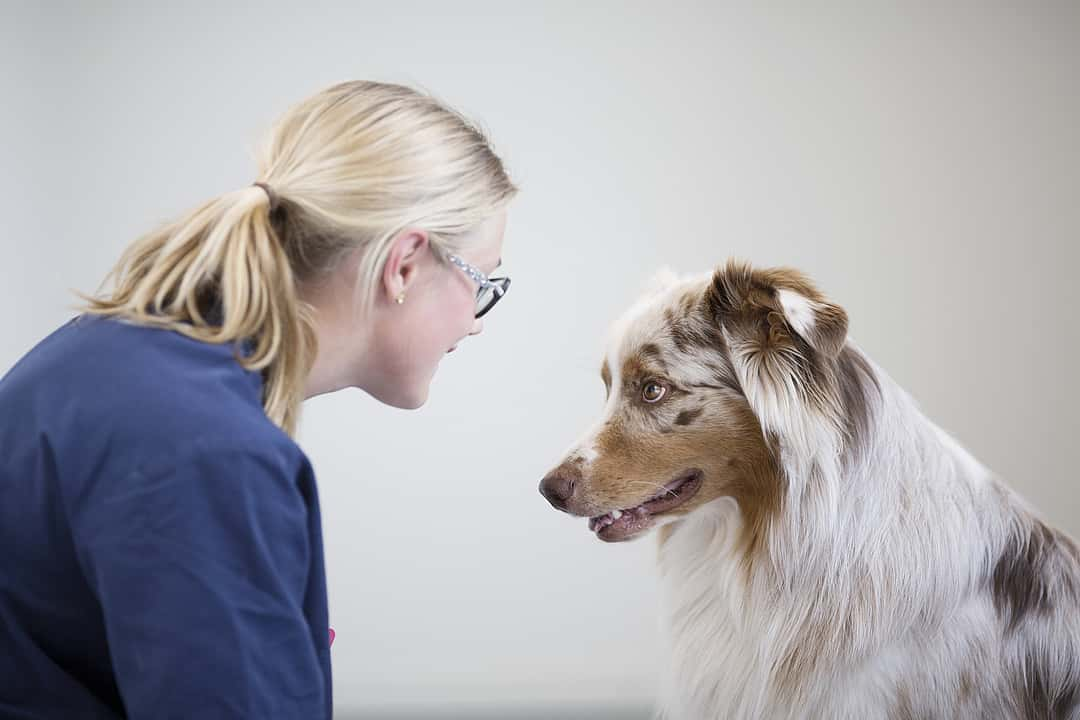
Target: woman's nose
478, 326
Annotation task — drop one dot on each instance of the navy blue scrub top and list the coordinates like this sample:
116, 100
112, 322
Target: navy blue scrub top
160, 539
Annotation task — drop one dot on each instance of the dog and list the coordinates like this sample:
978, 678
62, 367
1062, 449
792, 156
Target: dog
825, 550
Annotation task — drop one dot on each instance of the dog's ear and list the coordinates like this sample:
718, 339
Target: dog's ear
779, 307
784, 339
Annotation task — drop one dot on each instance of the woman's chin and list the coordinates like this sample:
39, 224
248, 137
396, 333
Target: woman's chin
400, 392
414, 404
411, 399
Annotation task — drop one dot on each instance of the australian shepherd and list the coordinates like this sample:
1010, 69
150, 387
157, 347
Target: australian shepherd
825, 550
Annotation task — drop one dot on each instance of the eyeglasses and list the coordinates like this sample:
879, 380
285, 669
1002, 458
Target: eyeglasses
489, 290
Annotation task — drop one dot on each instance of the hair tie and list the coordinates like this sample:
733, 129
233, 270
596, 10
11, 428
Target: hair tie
270, 194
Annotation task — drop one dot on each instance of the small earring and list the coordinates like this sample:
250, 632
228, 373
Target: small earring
400, 299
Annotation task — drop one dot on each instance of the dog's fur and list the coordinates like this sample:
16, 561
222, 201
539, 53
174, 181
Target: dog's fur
843, 557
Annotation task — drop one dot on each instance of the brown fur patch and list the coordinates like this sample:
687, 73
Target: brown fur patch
857, 384
635, 369
694, 329
829, 332
650, 352
757, 486
1019, 584
724, 382
688, 416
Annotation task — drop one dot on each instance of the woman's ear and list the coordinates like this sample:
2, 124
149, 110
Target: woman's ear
403, 262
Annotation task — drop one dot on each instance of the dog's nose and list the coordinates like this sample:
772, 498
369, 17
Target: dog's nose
557, 489
558, 486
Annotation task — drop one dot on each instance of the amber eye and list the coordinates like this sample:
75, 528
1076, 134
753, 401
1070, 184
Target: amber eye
652, 392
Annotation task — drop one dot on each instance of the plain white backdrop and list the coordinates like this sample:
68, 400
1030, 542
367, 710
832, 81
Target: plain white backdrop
921, 163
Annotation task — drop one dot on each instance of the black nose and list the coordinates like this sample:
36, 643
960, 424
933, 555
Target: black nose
558, 486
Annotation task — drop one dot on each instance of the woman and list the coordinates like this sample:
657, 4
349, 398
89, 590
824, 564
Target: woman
159, 527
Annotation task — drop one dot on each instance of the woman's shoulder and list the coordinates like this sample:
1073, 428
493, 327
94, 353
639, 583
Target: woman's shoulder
101, 384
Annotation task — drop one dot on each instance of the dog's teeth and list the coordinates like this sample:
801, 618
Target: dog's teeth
616, 514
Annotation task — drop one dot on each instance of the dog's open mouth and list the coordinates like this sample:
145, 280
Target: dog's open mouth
624, 524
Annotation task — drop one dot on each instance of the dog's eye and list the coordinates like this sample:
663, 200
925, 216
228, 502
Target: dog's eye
652, 392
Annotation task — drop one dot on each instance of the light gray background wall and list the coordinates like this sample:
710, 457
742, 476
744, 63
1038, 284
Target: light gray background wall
920, 160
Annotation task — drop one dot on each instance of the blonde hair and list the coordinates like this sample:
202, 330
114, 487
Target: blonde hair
348, 169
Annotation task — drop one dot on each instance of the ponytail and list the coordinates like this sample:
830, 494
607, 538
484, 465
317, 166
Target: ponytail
226, 258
